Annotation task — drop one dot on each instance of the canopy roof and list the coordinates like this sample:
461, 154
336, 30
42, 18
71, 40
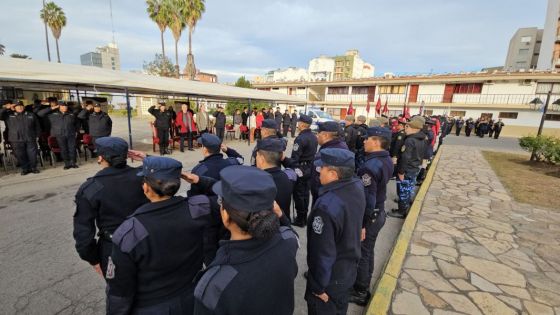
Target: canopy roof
41, 75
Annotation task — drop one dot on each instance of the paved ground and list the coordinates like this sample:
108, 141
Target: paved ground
475, 251
42, 274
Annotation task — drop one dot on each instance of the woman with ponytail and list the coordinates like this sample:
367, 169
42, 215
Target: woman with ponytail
254, 271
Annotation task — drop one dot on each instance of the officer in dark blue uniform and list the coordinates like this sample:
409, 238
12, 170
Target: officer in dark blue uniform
268, 130
254, 272
269, 159
157, 251
333, 234
328, 137
213, 161
104, 201
361, 127
375, 173
303, 153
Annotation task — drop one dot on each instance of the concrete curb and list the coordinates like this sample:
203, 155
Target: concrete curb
383, 293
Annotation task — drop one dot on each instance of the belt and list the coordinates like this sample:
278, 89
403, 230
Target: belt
105, 235
305, 162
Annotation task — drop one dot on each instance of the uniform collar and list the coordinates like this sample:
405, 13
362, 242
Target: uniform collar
154, 206
271, 170
238, 252
305, 130
215, 156
377, 154
337, 185
331, 143
109, 171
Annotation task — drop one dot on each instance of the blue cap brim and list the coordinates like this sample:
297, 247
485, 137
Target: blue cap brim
217, 188
319, 163
141, 173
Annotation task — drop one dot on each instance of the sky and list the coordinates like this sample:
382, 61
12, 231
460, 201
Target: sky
251, 37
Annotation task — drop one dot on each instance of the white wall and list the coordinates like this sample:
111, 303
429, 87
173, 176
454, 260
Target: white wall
509, 88
431, 89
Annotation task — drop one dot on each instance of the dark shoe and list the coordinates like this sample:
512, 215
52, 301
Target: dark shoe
191, 149
359, 297
300, 222
396, 200
23, 173
75, 166
35, 171
67, 167
396, 213
167, 152
306, 274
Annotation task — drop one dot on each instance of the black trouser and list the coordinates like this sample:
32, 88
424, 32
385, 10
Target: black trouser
301, 192
468, 132
497, 133
26, 154
336, 305
458, 131
366, 263
163, 135
293, 131
67, 145
285, 130
189, 137
220, 132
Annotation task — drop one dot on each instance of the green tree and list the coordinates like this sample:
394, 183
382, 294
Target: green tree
159, 12
244, 83
161, 66
20, 56
55, 18
192, 12
232, 106
177, 25
2, 50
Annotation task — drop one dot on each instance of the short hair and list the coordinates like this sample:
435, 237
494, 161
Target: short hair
89, 102
213, 150
271, 157
343, 172
362, 118
163, 187
384, 142
331, 134
116, 161
268, 130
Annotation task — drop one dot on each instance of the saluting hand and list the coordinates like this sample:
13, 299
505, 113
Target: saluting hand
136, 155
190, 177
224, 148
277, 210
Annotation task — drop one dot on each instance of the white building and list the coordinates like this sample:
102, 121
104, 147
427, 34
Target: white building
291, 74
321, 68
107, 57
550, 48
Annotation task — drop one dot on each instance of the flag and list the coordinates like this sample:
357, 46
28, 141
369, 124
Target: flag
407, 112
350, 109
404, 110
385, 108
367, 106
421, 109
378, 106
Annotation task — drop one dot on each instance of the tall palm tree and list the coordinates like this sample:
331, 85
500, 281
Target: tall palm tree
47, 36
56, 20
193, 10
159, 13
2, 50
177, 25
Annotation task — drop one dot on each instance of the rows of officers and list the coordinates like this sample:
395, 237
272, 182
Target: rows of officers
49, 123
481, 126
229, 246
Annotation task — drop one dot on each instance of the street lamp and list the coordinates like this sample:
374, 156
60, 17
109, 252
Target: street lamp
537, 100
556, 105
535, 103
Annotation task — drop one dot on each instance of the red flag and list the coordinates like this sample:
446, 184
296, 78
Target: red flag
404, 110
367, 106
407, 113
378, 106
385, 108
350, 109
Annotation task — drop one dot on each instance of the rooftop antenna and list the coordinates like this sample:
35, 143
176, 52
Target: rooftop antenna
112, 25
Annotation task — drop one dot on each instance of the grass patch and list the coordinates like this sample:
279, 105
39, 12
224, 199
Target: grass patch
535, 183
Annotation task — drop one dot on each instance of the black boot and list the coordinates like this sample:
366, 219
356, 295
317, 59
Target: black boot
397, 213
360, 297
300, 221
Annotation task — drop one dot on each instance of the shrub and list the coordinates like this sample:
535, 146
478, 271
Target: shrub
546, 148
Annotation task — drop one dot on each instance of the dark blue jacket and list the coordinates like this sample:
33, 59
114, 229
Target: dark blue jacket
250, 277
62, 124
305, 147
375, 174
315, 182
412, 153
157, 252
254, 153
211, 166
333, 236
285, 181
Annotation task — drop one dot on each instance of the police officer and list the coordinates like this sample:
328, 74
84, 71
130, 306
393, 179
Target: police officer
64, 126
157, 250
104, 201
303, 153
397, 141
99, 123
459, 123
351, 135
278, 118
214, 160
409, 162
268, 130
163, 125
498, 128
23, 129
361, 127
286, 122
333, 234
469, 126
269, 159
375, 173
84, 115
293, 123
257, 240
328, 137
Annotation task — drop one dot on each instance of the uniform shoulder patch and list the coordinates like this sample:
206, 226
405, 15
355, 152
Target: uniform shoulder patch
129, 234
91, 188
236, 160
296, 146
200, 169
110, 274
199, 205
399, 137
366, 179
212, 284
403, 148
298, 172
317, 225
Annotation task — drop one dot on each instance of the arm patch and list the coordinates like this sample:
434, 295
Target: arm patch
292, 175
129, 234
211, 286
199, 205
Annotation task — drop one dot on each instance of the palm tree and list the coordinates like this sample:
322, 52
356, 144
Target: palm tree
159, 13
193, 10
2, 50
47, 36
56, 20
176, 24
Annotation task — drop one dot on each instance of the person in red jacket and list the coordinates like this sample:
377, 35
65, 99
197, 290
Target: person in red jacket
187, 126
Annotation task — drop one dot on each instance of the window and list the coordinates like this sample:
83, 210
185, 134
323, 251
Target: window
338, 76
526, 39
508, 115
553, 117
543, 88
470, 88
523, 52
338, 90
391, 89
457, 113
359, 90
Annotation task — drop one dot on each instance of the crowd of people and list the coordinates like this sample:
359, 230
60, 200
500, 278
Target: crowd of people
51, 123
229, 246
481, 126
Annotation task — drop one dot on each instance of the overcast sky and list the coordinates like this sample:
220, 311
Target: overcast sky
251, 37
